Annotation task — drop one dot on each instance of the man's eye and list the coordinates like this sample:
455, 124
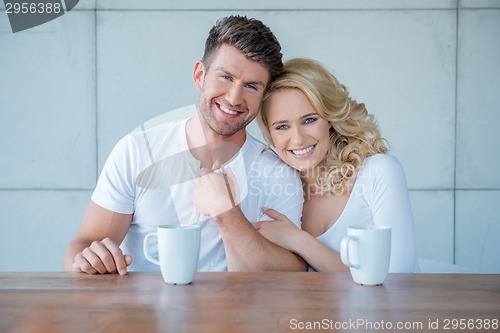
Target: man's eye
226, 77
251, 86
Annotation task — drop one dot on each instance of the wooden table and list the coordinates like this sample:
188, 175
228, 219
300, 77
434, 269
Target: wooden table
247, 302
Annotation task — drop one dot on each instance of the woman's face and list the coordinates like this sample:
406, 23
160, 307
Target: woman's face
300, 135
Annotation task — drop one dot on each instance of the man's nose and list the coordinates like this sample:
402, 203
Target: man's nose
234, 95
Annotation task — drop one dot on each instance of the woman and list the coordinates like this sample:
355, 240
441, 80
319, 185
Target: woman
316, 128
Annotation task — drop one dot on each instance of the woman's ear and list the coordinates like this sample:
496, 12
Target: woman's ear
199, 75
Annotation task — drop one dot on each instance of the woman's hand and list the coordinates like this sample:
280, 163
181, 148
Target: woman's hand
281, 231
284, 233
215, 192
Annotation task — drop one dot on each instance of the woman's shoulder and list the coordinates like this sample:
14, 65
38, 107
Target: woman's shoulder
382, 161
382, 166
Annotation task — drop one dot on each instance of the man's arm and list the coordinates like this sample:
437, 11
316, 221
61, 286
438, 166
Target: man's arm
217, 196
95, 248
248, 250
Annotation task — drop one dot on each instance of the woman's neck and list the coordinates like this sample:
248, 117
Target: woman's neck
313, 190
309, 182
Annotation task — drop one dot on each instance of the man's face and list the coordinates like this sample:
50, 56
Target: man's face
231, 90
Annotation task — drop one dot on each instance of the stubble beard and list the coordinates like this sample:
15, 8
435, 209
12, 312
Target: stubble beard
223, 129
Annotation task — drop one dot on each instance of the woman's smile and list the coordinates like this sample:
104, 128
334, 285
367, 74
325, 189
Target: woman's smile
299, 134
303, 152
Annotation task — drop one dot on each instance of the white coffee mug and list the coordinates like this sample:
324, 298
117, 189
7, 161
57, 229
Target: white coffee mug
367, 251
178, 252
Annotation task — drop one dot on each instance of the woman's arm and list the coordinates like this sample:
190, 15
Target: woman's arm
390, 205
284, 233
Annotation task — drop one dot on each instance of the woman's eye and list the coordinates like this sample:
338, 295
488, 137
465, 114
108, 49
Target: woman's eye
281, 127
309, 120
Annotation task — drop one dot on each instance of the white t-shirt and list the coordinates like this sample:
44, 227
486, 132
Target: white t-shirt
150, 173
380, 197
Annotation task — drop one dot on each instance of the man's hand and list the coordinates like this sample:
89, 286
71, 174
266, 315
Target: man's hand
215, 192
102, 257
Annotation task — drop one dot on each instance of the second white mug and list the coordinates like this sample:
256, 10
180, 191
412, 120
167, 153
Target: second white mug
367, 251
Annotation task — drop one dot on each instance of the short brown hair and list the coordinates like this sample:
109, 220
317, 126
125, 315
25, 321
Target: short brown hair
250, 36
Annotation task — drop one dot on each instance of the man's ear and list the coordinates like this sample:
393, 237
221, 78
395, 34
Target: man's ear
199, 75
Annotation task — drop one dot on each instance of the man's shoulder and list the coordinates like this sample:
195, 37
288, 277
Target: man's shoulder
266, 162
259, 152
165, 122
172, 117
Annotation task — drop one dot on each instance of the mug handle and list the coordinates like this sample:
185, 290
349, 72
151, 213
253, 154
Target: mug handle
146, 248
344, 251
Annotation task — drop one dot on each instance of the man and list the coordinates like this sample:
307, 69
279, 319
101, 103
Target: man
150, 177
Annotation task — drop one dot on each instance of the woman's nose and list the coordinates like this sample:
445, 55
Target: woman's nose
297, 137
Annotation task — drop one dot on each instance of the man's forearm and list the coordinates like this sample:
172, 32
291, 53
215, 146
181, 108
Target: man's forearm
247, 250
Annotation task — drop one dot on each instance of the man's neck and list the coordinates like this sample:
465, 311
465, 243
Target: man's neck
209, 147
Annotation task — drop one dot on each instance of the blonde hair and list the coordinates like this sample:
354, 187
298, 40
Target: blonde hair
354, 134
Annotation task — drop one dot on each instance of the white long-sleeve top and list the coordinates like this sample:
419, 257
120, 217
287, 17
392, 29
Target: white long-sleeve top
380, 197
